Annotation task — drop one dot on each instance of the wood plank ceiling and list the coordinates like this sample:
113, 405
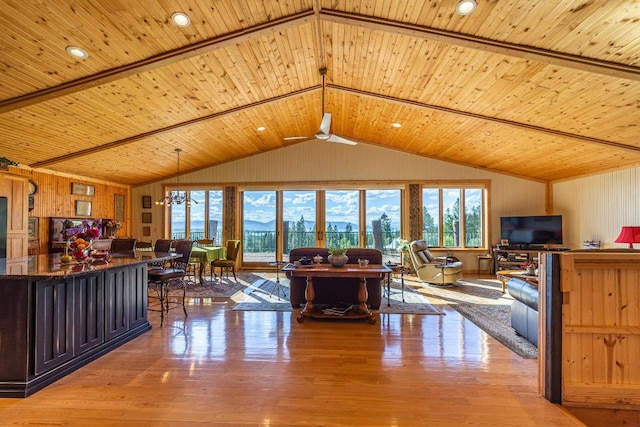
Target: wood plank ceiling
540, 89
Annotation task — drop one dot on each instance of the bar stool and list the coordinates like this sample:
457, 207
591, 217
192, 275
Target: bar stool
161, 279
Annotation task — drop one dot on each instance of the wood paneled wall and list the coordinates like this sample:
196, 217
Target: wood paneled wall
14, 188
600, 329
596, 207
54, 199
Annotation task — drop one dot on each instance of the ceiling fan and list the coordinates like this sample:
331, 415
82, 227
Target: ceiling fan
325, 125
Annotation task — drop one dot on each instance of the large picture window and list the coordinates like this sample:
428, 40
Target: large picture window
274, 221
200, 219
453, 217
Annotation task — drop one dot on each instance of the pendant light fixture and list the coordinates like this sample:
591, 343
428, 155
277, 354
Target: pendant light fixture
176, 197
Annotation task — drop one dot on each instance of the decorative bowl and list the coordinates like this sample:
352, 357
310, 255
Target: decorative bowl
100, 254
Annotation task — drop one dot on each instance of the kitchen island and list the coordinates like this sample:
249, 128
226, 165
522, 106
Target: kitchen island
55, 318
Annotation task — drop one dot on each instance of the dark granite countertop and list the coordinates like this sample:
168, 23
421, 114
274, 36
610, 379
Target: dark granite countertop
48, 266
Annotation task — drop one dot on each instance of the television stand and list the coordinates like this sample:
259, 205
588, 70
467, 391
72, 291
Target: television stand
513, 257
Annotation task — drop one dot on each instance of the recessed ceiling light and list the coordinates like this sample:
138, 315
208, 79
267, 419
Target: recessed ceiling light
396, 125
77, 52
465, 7
261, 128
181, 19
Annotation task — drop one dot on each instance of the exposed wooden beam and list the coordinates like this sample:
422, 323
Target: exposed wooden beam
197, 49
494, 46
526, 126
166, 129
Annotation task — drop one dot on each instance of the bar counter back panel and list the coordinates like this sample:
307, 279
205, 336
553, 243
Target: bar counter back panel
53, 320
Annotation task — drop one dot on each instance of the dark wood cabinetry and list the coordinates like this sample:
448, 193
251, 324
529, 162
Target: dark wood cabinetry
89, 311
53, 323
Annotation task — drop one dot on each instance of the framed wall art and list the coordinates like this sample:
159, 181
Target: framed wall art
146, 231
33, 228
119, 207
146, 202
82, 189
146, 218
83, 208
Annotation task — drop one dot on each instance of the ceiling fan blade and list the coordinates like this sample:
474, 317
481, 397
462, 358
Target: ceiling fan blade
340, 140
325, 125
293, 138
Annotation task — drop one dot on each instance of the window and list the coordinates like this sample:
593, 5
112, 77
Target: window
215, 217
259, 226
383, 220
196, 215
299, 220
453, 217
199, 220
342, 216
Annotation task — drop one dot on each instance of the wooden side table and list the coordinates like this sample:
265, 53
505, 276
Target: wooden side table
395, 268
489, 259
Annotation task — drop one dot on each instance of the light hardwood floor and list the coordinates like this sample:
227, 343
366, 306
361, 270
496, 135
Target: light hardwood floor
226, 368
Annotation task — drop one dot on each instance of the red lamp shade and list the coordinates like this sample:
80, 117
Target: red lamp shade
630, 235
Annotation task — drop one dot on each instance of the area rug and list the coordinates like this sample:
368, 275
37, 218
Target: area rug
218, 288
482, 302
265, 297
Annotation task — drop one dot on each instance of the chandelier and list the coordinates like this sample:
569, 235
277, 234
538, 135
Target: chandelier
176, 197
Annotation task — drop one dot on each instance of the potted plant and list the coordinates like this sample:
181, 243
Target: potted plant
337, 257
5, 163
403, 248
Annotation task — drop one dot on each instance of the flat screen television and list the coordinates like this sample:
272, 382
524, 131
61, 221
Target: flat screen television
531, 230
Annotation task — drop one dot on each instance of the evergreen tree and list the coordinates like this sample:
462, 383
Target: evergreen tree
429, 228
385, 225
451, 216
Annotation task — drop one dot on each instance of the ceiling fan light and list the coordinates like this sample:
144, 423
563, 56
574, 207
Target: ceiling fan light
181, 19
466, 7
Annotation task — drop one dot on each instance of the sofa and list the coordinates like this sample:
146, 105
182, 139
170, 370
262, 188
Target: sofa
524, 309
434, 270
343, 290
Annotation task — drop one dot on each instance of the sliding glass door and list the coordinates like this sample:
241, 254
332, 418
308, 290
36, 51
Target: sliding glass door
299, 220
276, 221
342, 218
383, 218
258, 227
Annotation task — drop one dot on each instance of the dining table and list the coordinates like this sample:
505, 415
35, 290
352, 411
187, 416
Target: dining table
204, 255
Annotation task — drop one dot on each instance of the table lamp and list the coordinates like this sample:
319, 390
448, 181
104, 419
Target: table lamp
630, 235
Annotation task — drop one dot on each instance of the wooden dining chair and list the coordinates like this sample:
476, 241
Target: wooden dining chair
205, 242
229, 261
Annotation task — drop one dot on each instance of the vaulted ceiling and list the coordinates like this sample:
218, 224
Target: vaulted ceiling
540, 89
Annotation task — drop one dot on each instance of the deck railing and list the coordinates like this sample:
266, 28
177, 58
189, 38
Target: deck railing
264, 241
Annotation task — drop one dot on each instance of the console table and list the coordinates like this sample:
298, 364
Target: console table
324, 270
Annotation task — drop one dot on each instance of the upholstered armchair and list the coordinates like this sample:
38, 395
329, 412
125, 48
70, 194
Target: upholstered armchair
430, 269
